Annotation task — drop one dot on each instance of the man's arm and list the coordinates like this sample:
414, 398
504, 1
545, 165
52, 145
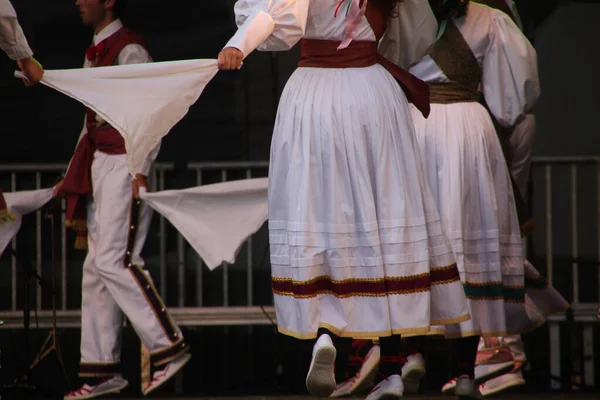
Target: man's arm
12, 39
14, 43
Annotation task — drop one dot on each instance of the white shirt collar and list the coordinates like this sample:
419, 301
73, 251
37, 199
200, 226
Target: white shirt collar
108, 31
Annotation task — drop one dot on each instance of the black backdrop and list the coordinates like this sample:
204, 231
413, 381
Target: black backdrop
40, 125
232, 120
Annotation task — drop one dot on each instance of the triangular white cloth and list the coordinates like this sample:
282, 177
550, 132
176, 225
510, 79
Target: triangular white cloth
142, 101
20, 204
215, 219
545, 298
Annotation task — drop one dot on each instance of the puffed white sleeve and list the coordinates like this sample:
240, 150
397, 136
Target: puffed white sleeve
268, 25
12, 39
510, 82
411, 33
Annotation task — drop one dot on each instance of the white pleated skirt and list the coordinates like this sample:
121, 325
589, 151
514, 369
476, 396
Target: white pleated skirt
357, 245
469, 178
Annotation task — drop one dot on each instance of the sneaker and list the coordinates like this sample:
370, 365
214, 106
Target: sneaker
365, 376
502, 384
412, 372
482, 374
486, 372
360, 349
162, 376
466, 389
100, 388
320, 380
390, 388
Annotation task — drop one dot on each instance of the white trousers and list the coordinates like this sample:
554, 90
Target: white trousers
521, 141
512, 343
112, 286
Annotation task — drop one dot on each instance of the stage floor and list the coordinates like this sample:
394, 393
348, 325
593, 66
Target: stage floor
516, 396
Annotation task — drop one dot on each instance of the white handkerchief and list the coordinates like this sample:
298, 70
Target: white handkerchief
142, 101
20, 204
215, 219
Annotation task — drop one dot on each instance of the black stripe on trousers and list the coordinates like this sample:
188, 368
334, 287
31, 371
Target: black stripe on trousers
149, 291
99, 369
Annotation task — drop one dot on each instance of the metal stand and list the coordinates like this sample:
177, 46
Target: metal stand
24, 386
51, 344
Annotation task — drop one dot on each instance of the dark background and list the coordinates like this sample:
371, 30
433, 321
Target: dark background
233, 118
45, 124
233, 121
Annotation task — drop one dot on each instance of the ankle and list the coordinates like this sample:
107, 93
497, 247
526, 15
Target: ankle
95, 380
388, 366
466, 371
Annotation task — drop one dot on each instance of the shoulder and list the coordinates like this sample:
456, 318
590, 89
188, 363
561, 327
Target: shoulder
488, 21
486, 14
480, 12
131, 37
134, 54
134, 49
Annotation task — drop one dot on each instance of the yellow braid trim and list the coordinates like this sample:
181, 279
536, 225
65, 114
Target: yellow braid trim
80, 227
77, 224
81, 242
6, 216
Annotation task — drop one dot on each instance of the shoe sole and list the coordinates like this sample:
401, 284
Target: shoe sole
185, 359
484, 378
345, 393
320, 380
412, 379
467, 397
390, 396
494, 373
365, 376
360, 385
506, 388
367, 372
116, 390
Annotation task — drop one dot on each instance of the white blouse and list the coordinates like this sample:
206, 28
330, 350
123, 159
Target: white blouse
508, 62
277, 25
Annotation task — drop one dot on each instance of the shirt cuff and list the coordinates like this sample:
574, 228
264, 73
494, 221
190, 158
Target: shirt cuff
252, 33
18, 51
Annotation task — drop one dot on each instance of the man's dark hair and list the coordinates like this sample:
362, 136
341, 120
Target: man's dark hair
448, 9
119, 8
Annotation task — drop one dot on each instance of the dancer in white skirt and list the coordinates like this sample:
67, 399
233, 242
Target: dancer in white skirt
541, 298
499, 353
357, 245
480, 53
495, 353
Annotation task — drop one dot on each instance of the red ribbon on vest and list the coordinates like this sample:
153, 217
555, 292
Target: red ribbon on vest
93, 51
